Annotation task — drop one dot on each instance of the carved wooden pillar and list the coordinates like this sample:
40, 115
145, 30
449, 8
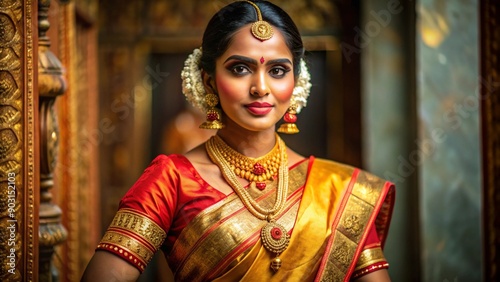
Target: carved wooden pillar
51, 84
18, 142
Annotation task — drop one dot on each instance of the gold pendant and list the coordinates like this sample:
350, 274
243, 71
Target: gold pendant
275, 239
276, 264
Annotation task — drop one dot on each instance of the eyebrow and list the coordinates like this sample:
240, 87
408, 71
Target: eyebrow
252, 61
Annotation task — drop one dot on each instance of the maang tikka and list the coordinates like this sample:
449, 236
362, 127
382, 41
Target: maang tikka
213, 114
261, 29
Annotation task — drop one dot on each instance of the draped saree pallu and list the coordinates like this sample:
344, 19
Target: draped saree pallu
368, 201
337, 218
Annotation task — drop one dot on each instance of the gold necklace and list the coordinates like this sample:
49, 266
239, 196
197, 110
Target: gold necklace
255, 170
274, 236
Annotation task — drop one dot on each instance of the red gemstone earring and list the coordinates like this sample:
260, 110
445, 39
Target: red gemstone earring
289, 127
213, 114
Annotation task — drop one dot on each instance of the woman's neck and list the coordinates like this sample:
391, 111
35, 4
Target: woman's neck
249, 143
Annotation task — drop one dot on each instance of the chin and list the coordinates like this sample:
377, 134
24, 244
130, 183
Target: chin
261, 128
255, 127
253, 124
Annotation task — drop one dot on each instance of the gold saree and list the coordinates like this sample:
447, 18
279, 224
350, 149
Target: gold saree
330, 209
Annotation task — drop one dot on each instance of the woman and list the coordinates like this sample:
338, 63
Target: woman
243, 206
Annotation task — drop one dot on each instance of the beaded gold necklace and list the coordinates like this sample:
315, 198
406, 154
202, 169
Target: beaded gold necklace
255, 170
274, 236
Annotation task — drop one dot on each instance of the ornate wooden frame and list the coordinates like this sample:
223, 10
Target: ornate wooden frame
19, 154
490, 111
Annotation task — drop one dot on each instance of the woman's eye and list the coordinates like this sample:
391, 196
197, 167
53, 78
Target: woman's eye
240, 70
278, 72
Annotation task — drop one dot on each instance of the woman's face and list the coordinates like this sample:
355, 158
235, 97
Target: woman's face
254, 80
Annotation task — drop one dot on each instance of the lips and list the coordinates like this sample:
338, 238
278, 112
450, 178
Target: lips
258, 108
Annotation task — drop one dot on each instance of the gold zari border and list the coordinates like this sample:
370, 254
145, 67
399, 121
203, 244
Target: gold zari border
369, 257
134, 237
140, 226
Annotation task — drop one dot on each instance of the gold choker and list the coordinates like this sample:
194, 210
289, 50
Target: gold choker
274, 236
255, 170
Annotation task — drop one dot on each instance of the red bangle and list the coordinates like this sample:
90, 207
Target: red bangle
371, 268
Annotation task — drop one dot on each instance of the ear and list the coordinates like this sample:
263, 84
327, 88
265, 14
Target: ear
208, 82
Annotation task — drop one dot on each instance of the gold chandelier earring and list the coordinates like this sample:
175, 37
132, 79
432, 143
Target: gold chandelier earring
213, 114
289, 127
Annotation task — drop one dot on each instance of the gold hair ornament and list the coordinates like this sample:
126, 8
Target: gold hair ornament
261, 29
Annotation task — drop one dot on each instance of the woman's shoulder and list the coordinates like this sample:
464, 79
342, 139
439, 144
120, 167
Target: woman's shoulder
166, 166
167, 160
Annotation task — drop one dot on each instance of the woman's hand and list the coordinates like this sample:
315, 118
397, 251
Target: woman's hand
105, 266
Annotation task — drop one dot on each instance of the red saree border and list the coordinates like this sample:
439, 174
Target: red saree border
365, 195
382, 223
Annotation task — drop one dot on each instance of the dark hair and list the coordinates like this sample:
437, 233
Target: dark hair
231, 18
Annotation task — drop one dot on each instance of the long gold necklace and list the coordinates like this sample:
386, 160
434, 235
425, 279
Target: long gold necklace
274, 236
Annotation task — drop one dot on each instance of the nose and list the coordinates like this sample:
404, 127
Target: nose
259, 86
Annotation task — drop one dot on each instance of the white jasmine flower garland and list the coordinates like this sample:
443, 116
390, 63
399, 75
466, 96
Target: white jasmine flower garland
192, 83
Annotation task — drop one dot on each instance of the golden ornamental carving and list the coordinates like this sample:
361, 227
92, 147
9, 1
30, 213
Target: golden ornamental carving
8, 142
17, 141
9, 115
51, 234
8, 29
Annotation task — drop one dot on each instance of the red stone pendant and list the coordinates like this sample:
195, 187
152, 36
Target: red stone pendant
258, 169
260, 185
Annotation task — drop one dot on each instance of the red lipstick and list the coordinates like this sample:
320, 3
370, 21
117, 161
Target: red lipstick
258, 108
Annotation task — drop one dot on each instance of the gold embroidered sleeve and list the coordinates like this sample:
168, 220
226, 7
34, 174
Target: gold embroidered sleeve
133, 237
370, 260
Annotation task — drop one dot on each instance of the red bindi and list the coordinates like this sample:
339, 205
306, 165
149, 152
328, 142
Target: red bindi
262, 60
